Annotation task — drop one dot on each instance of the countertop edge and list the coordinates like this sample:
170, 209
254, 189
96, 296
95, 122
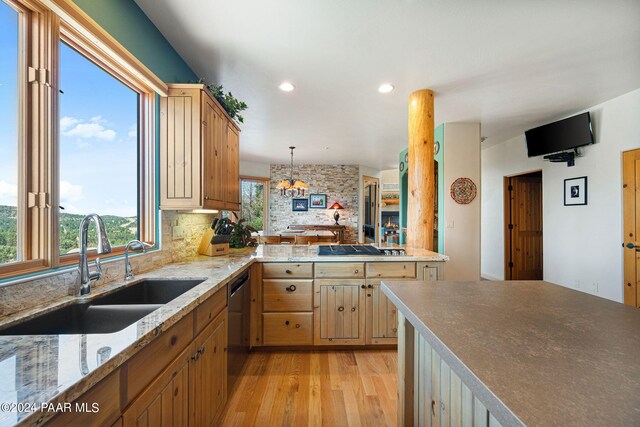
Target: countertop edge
496, 407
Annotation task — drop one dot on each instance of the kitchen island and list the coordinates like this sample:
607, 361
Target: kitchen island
514, 353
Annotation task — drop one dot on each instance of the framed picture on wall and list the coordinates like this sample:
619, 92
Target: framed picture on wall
318, 201
575, 191
300, 205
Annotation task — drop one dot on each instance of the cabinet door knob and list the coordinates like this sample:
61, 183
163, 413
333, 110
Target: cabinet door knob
362, 286
286, 322
297, 325
353, 309
201, 350
206, 197
356, 272
340, 308
288, 271
291, 288
369, 286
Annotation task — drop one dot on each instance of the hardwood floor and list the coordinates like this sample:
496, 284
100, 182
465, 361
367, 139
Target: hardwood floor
304, 388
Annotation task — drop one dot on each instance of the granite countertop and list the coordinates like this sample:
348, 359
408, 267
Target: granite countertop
38, 369
533, 352
309, 253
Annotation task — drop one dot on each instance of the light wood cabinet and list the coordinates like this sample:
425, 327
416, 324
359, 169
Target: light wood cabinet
381, 315
288, 328
199, 151
285, 270
352, 270
208, 379
287, 295
338, 311
166, 400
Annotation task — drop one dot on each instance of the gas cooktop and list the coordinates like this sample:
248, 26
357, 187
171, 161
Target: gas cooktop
355, 250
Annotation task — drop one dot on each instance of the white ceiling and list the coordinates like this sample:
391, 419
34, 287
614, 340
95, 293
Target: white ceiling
511, 65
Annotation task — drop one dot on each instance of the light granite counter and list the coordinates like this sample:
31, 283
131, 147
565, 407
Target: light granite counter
56, 368
533, 353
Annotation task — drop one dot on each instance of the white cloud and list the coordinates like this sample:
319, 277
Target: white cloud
109, 201
94, 129
67, 122
69, 192
91, 130
8, 194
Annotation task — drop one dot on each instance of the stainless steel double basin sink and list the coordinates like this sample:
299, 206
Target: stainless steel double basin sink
107, 314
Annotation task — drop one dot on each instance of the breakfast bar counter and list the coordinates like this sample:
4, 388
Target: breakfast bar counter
514, 353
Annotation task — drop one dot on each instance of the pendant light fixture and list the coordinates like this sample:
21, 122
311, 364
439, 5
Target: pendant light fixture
292, 187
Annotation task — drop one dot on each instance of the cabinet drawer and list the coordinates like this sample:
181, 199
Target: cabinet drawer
208, 310
155, 356
283, 270
287, 295
288, 328
391, 269
339, 269
106, 394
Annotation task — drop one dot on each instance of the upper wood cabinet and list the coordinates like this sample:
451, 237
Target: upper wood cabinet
199, 151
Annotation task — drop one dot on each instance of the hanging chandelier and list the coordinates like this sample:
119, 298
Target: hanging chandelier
292, 187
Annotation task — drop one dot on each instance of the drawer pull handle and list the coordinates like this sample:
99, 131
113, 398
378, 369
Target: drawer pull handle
195, 357
291, 288
369, 286
356, 272
201, 350
206, 197
297, 325
340, 308
288, 271
353, 309
286, 322
362, 286
173, 340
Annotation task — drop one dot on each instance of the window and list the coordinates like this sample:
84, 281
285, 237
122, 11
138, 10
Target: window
9, 143
77, 120
98, 151
254, 200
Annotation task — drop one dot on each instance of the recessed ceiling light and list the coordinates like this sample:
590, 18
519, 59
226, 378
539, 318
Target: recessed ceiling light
385, 88
286, 87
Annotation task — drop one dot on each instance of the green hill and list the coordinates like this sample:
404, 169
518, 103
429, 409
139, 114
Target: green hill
119, 229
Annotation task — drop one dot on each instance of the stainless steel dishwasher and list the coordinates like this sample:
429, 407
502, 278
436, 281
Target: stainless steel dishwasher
237, 328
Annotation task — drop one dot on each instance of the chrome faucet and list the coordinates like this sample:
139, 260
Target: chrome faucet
128, 271
104, 247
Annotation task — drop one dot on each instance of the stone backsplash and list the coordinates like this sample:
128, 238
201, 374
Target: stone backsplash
338, 182
28, 294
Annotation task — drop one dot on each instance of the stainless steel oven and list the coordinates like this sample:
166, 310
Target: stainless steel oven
237, 328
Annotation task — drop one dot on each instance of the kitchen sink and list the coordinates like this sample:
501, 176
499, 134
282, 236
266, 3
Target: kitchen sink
107, 314
149, 291
82, 318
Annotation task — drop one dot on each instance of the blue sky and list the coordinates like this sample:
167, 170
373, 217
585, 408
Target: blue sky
98, 131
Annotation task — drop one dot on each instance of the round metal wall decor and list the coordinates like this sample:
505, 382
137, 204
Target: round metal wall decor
463, 191
401, 166
436, 147
406, 158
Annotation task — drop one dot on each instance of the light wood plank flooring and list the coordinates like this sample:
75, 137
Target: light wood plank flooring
304, 388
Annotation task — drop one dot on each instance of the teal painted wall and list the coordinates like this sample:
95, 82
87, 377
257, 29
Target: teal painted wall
404, 193
128, 24
438, 135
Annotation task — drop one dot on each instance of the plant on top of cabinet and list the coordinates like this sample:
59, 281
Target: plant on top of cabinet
230, 104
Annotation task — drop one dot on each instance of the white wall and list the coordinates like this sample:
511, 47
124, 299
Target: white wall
462, 222
581, 244
261, 170
373, 173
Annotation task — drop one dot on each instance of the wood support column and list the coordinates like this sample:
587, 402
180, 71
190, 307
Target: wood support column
421, 188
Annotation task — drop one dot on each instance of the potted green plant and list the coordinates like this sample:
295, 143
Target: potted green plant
241, 235
230, 104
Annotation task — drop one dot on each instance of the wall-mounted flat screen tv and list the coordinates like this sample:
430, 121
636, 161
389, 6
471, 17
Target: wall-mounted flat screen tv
558, 136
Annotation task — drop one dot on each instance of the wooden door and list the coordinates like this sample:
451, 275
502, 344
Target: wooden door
382, 316
523, 227
209, 372
233, 168
631, 218
166, 400
338, 312
213, 183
